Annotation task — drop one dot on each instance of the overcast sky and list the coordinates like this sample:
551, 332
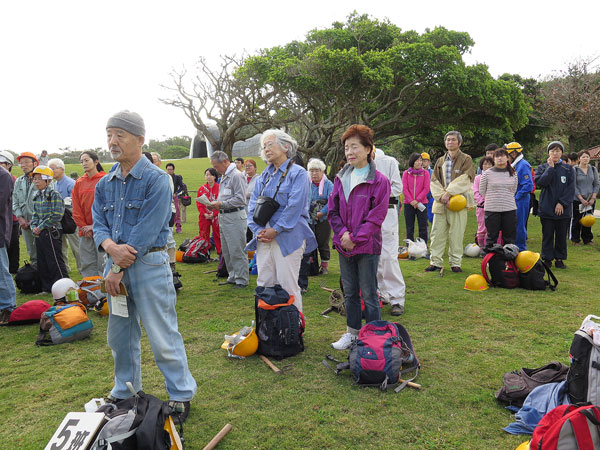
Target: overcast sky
66, 66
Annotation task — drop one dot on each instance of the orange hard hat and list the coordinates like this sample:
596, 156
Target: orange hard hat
29, 155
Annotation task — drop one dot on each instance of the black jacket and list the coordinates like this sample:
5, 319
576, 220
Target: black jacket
558, 186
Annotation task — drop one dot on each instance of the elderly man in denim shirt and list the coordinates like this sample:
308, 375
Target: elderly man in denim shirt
131, 215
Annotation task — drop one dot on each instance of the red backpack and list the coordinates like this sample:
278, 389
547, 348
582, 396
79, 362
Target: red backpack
504, 273
197, 252
568, 427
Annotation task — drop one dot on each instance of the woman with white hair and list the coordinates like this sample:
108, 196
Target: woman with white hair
320, 190
281, 231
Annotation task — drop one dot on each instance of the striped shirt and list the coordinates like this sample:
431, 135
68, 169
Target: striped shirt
448, 168
498, 188
48, 209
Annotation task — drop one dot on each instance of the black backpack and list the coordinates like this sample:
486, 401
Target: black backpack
136, 422
222, 271
279, 324
503, 272
517, 384
534, 279
28, 280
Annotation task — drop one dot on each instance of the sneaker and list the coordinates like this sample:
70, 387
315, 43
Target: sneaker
303, 290
456, 269
344, 342
559, 264
575, 242
397, 310
433, 269
178, 411
323, 271
111, 399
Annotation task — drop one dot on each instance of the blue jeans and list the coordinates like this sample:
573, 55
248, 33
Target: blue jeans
359, 276
522, 216
151, 298
8, 293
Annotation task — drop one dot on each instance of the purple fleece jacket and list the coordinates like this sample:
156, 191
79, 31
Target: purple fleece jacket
362, 214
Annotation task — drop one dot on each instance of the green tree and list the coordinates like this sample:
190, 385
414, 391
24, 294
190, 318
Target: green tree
401, 84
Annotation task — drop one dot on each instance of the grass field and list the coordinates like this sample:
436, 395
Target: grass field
465, 340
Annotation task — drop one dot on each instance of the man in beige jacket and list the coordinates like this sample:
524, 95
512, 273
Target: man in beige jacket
452, 175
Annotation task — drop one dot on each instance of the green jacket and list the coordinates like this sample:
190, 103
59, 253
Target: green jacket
23, 197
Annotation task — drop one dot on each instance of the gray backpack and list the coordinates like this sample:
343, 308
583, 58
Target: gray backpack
583, 380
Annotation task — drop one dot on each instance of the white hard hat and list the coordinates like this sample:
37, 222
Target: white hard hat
6, 156
61, 287
472, 250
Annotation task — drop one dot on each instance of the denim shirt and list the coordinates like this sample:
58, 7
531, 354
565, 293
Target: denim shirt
134, 210
291, 218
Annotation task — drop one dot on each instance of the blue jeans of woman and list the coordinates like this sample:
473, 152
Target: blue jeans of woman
359, 278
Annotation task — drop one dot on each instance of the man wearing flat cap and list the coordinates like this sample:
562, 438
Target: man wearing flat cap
131, 213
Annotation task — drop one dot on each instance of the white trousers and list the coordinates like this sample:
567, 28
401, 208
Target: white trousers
274, 268
390, 281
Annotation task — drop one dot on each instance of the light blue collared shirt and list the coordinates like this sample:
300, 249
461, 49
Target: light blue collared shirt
291, 218
134, 210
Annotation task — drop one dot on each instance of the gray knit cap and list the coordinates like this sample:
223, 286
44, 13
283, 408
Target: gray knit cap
555, 144
128, 121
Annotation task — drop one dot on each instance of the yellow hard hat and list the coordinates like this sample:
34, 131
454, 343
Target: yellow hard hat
246, 347
102, 308
523, 446
425, 155
457, 202
588, 220
475, 282
525, 260
514, 147
46, 172
402, 252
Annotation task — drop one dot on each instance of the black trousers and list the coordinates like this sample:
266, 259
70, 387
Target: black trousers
13, 249
577, 230
409, 219
554, 238
50, 264
505, 221
323, 235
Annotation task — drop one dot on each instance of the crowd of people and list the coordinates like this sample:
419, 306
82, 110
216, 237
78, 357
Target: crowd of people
287, 214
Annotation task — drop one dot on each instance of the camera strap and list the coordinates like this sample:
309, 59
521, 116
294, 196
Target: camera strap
280, 180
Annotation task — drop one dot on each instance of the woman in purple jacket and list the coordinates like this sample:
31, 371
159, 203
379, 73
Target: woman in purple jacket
357, 208
415, 187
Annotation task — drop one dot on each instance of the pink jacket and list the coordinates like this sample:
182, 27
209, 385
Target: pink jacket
415, 185
479, 199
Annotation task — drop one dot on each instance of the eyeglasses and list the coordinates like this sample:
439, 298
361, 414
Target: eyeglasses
268, 145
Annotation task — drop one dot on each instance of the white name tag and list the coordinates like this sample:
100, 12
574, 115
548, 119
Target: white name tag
119, 306
76, 431
226, 191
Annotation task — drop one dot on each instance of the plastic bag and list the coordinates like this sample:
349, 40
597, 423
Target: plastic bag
417, 249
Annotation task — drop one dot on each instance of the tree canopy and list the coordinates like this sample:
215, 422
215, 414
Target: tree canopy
401, 84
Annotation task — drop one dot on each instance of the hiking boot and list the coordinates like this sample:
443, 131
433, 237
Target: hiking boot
456, 269
397, 310
178, 411
433, 269
559, 264
111, 400
4, 316
575, 242
323, 271
344, 342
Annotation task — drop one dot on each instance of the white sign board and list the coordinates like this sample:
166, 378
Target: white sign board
76, 431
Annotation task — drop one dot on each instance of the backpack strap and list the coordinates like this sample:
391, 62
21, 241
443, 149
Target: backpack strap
552, 281
484, 266
339, 367
581, 429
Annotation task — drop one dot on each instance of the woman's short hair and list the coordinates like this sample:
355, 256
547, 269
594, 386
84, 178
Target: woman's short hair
581, 152
212, 171
316, 163
413, 158
288, 143
573, 156
364, 135
503, 152
251, 161
488, 159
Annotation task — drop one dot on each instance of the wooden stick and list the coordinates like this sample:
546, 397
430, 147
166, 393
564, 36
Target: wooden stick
210, 271
411, 384
270, 364
220, 435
